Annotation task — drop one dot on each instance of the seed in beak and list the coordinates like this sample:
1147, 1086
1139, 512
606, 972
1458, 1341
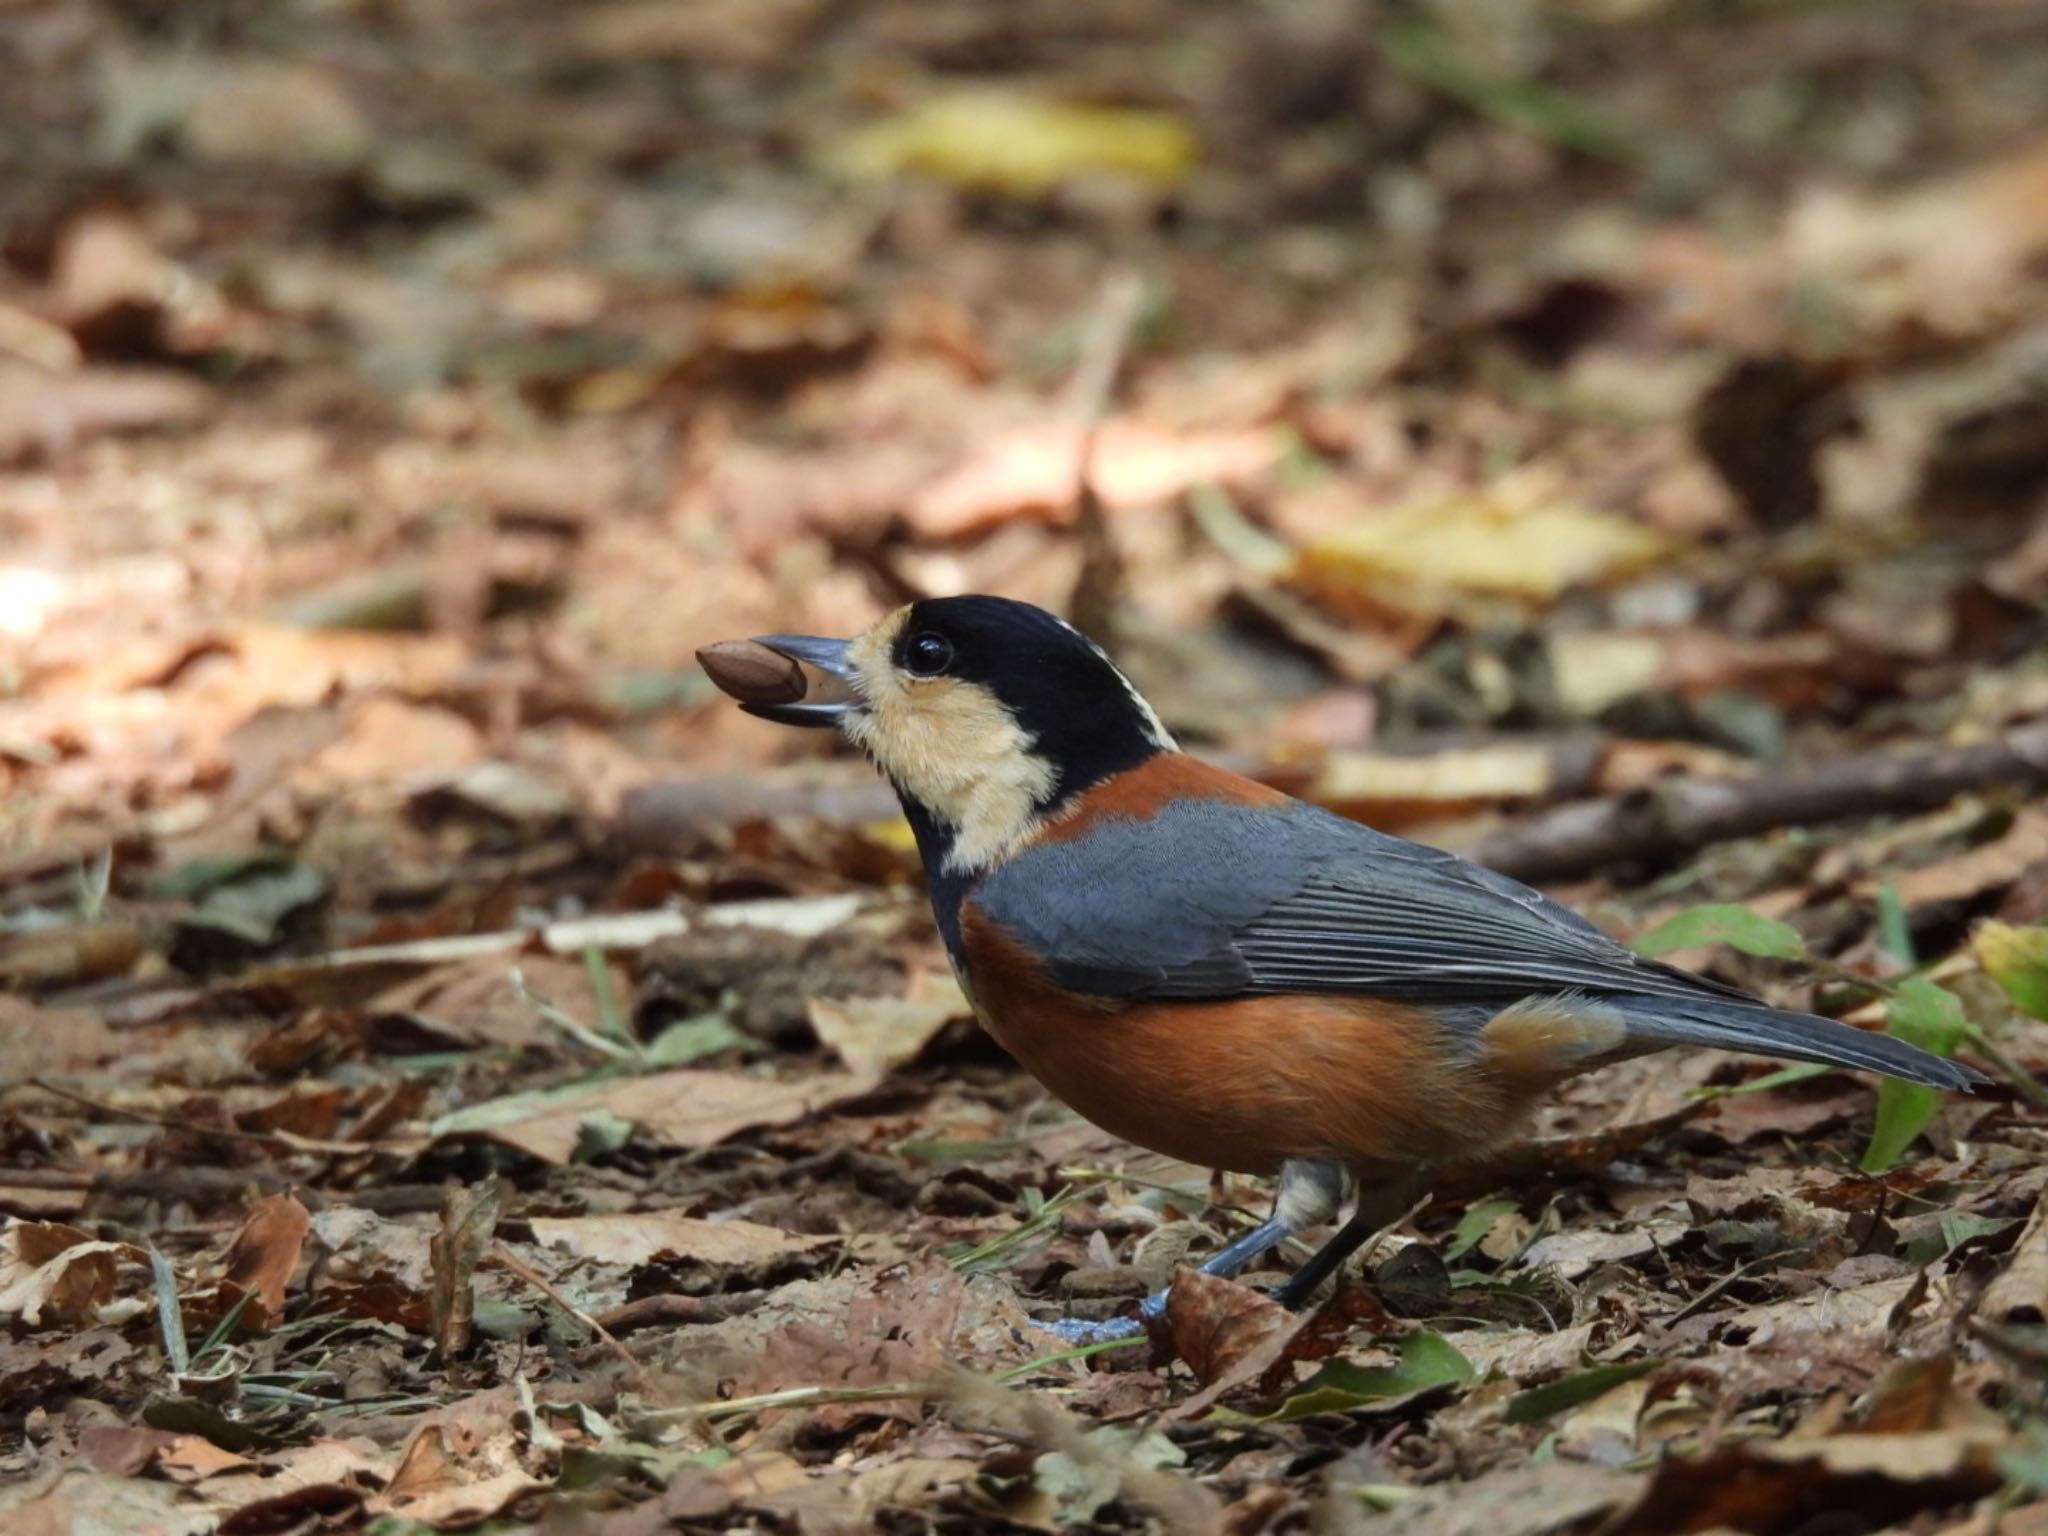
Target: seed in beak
752, 673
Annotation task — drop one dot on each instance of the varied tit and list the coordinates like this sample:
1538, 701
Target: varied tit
1227, 975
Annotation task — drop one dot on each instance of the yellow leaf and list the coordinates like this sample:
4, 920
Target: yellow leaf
2017, 959
894, 835
1424, 556
1020, 146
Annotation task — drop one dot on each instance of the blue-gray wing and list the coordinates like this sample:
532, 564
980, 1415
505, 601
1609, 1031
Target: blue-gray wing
1213, 899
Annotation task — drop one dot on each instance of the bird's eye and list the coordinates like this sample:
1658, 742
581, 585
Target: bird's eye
927, 655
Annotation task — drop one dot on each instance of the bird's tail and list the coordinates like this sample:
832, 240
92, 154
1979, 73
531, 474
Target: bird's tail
1761, 1031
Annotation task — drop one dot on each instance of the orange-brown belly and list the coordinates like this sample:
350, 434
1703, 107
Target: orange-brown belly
1247, 1083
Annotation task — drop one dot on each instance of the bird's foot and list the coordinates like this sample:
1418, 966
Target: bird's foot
1080, 1330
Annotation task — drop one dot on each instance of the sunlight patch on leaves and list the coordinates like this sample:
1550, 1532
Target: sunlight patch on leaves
1018, 145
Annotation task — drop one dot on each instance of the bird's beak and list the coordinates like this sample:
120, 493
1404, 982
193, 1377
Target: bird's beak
827, 656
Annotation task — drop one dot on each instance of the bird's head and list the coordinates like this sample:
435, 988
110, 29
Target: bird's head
987, 715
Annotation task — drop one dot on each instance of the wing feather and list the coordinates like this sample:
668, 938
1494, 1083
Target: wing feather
1212, 899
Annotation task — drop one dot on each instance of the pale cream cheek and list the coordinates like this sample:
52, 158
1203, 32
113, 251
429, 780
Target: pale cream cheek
955, 750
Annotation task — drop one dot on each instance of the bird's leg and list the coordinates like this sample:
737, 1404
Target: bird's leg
1311, 1192
1379, 1205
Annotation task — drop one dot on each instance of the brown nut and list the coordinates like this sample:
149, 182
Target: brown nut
752, 673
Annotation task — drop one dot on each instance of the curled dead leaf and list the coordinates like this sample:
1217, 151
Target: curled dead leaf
468, 1221
453, 1476
1226, 1332
263, 1255
54, 1273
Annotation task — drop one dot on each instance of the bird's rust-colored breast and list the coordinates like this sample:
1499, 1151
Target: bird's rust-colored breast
1241, 1083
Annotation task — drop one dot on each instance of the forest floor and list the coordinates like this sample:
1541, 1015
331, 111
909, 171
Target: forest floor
456, 1071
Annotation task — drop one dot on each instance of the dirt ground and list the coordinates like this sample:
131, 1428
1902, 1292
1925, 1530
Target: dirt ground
457, 1072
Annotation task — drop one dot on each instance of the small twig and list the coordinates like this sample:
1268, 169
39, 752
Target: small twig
234, 1133
2022, 1082
194, 1185
581, 1033
1100, 1346
673, 1311
1679, 816
1372, 1244
1045, 1218
1700, 1301
507, 1260
1655, 825
796, 1397
1088, 397
642, 1382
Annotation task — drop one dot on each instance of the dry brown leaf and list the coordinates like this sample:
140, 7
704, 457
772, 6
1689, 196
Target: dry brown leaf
1031, 473
34, 1039
1840, 1314
643, 1237
874, 1035
731, 34
324, 1476
41, 343
2019, 1295
122, 1450
72, 956
104, 263
49, 413
478, 1003
52, 1273
276, 113
1520, 1499
1800, 1109
1604, 1430
362, 1245
1950, 252
908, 1322
75, 1498
130, 1451
389, 740
195, 1459
1988, 866
1772, 1488
908, 1483
899, 1326
1525, 1354
678, 1109
1576, 1253
264, 1254
469, 1218
454, 1476
1225, 1331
